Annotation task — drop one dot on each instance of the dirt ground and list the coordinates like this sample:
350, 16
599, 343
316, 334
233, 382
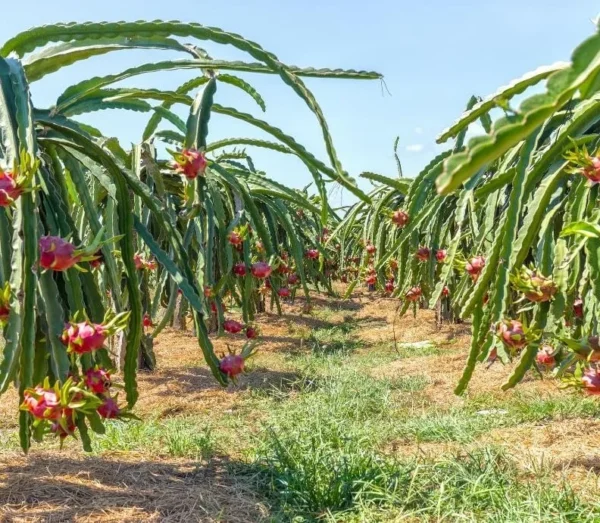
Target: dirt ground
49, 486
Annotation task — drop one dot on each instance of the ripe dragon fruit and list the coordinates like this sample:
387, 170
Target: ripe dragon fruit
371, 249
371, 279
109, 409
414, 294
239, 269
592, 171
57, 254
42, 403
208, 291
232, 326
284, 292
475, 266
261, 270
190, 163
142, 264
511, 333
97, 380
251, 332
423, 254
400, 218
9, 189
440, 255
394, 265
98, 260
84, 337
591, 381
234, 238
293, 279
535, 286
545, 356
232, 365
445, 291
389, 287
312, 254
147, 321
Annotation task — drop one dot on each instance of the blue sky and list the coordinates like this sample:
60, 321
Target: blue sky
434, 54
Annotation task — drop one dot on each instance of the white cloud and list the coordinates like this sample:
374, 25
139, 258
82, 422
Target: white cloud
418, 130
415, 148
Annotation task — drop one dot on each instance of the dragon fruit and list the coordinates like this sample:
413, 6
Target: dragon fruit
232, 365
423, 254
535, 286
440, 255
9, 189
592, 171
84, 337
261, 270
57, 254
239, 269
312, 254
591, 381
511, 333
545, 356
232, 326
400, 218
97, 380
371, 279
190, 163
475, 266
389, 287
251, 332
65, 429
284, 292
147, 321
42, 403
234, 238
293, 279
414, 294
109, 408
445, 291
371, 249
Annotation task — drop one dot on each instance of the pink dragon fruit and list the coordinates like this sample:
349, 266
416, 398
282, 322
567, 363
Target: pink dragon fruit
109, 409
190, 163
312, 254
414, 294
97, 380
251, 332
591, 381
261, 270
232, 365
511, 333
239, 269
57, 254
232, 326
9, 189
84, 337
423, 254
592, 171
545, 356
475, 266
284, 292
440, 255
400, 218
42, 403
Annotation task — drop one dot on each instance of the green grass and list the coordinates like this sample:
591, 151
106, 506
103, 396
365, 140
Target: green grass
319, 446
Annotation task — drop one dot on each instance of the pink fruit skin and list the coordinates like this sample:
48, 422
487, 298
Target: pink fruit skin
8, 189
371, 249
578, 308
400, 218
261, 270
591, 381
192, 164
312, 254
545, 357
475, 266
251, 333
109, 409
592, 172
232, 365
389, 287
45, 406
239, 269
284, 292
97, 380
423, 254
4, 314
511, 333
84, 337
56, 254
234, 238
413, 294
232, 326
293, 279
445, 291
440, 255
